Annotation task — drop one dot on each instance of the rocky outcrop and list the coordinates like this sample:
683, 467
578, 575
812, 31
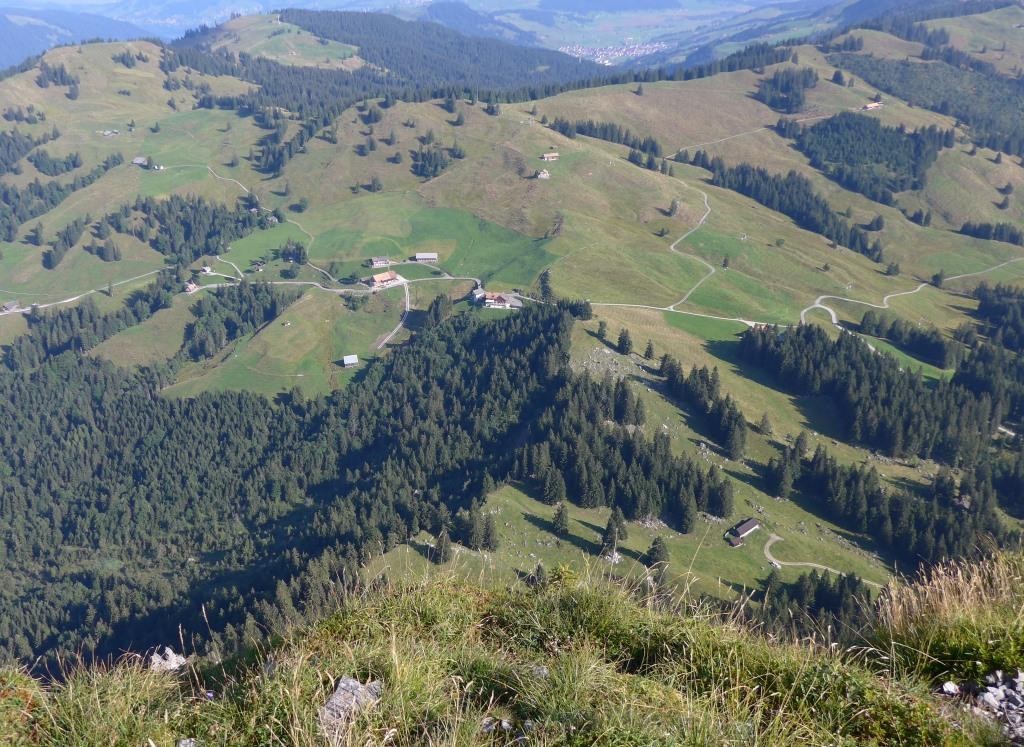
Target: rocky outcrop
1001, 698
350, 697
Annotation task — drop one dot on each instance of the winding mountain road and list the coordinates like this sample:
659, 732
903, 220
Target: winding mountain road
885, 301
817, 566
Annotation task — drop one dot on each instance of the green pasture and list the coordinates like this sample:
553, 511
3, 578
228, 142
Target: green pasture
267, 36
700, 562
302, 348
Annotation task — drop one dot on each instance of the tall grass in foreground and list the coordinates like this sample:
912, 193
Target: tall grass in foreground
575, 662
961, 619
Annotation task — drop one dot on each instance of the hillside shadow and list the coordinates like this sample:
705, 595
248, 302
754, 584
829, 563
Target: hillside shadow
415, 319
757, 480
585, 545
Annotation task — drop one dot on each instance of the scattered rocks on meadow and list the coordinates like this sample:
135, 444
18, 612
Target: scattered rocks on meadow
1001, 698
503, 726
350, 697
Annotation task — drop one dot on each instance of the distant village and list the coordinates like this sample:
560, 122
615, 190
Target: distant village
613, 54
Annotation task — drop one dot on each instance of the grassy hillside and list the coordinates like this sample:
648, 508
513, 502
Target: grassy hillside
995, 37
689, 280
580, 660
268, 36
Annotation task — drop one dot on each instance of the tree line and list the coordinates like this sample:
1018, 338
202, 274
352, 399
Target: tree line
785, 90
881, 406
824, 606
575, 455
50, 166
867, 157
21, 204
990, 105
701, 389
792, 195
926, 343
230, 313
948, 519
15, 145
1001, 311
610, 132
1006, 232
185, 228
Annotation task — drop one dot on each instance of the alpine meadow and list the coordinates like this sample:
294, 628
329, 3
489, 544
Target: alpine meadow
370, 380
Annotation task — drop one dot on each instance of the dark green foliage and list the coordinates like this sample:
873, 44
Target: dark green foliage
293, 251
615, 466
442, 547
469, 527
125, 57
948, 520
880, 405
1007, 232
831, 608
791, 195
15, 145
560, 522
66, 238
230, 313
82, 327
58, 76
657, 553
186, 228
785, 90
610, 537
50, 166
1001, 309
438, 312
275, 501
625, 342
28, 115
1008, 479
491, 540
609, 131
554, 487
580, 309
621, 530
867, 157
430, 162
927, 343
108, 251
547, 292
994, 372
702, 390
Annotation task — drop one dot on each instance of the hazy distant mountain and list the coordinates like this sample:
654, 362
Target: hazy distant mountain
27, 32
464, 19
